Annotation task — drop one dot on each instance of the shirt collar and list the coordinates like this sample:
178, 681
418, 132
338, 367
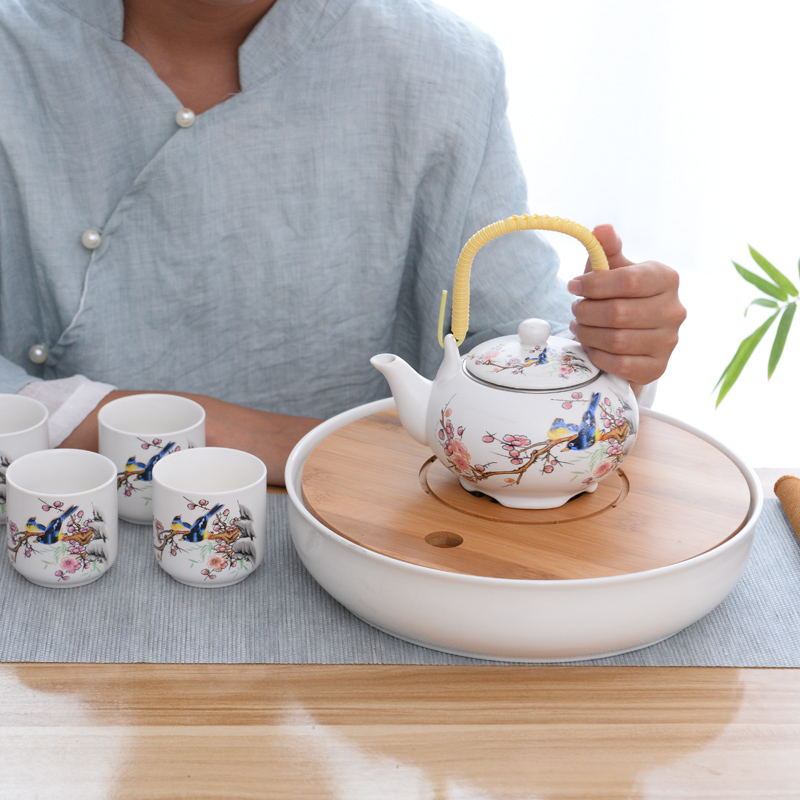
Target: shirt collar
287, 30
105, 15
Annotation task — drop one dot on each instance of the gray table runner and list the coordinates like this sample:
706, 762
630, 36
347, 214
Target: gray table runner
279, 615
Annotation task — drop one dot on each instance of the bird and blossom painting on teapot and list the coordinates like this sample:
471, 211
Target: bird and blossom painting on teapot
526, 419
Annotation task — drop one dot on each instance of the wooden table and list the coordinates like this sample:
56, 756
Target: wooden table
399, 733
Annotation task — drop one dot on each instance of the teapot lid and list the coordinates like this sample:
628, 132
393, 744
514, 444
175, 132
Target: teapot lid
531, 360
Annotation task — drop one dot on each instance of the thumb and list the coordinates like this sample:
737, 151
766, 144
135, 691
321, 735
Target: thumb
612, 247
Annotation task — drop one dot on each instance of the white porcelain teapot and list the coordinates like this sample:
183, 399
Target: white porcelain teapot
526, 419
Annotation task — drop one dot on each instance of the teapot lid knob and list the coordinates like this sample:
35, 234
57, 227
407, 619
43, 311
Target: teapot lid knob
533, 332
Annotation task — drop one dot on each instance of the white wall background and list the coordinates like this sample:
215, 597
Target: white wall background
677, 122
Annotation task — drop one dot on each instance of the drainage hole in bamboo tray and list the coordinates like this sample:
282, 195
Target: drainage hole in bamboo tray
444, 539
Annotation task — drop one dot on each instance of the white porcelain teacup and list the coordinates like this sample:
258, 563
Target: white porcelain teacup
210, 515
62, 516
136, 432
23, 429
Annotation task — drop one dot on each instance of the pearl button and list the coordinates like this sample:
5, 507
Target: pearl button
39, 353
185, 118
91, 239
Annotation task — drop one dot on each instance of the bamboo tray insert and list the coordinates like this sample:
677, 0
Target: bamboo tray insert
676, 496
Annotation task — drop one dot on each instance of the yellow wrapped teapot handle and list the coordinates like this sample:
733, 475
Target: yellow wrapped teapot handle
460, 317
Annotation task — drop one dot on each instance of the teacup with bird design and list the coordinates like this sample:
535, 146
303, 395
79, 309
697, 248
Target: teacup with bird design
136, 432
210, 515
62, 517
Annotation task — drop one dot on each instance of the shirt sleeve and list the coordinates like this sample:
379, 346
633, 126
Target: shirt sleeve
13, 377
68, 400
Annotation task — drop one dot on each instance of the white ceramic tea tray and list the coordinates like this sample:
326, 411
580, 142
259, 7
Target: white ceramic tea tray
517, 619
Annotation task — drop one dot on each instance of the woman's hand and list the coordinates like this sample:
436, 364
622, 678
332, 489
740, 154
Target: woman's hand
269, 436
627, 318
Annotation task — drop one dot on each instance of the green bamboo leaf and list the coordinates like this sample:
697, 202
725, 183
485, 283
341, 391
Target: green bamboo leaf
761, 301
746, 348
780, 337
768, 288
733, 361
777, 276
727, 369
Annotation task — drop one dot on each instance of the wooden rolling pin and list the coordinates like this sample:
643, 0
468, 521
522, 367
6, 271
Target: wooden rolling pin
787, 490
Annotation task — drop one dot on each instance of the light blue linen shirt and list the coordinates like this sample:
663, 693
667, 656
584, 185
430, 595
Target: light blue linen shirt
264, 253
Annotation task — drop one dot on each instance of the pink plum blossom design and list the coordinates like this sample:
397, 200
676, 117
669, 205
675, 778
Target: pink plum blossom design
217, 563
70, 564
461, 462
603, 468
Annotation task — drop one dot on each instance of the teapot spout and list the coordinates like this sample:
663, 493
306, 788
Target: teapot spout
410, 390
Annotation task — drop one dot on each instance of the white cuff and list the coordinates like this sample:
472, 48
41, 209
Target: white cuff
68, 400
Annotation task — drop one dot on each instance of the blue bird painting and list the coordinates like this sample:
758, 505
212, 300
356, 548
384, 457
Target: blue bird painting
588, 433
147, 472
561, 430
35, 531
34, 528
50, 535
178, 525
197, 531
542, 358
141, 471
